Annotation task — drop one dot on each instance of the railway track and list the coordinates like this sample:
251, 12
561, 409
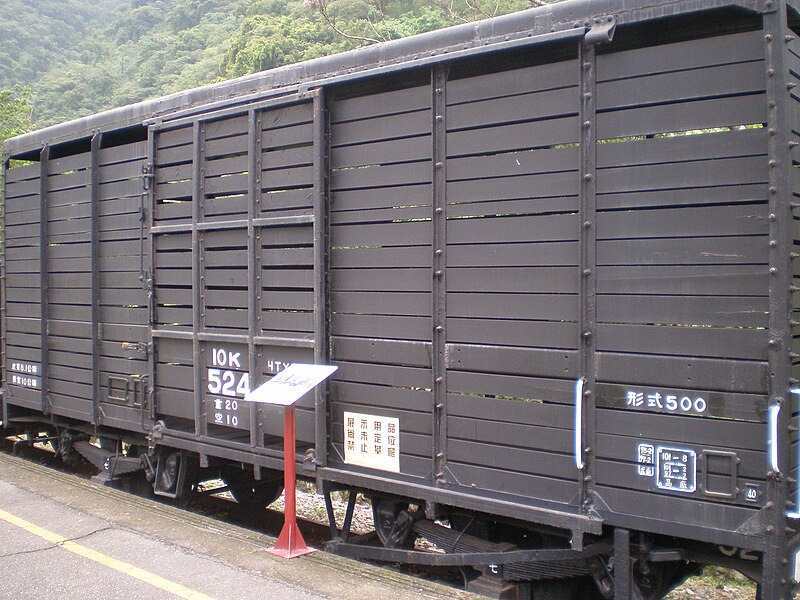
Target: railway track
223, 507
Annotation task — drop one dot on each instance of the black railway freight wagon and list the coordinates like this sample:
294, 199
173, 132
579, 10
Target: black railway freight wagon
552, 255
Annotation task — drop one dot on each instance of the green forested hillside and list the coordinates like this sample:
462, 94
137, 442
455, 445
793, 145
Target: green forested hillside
36, 35
80, 57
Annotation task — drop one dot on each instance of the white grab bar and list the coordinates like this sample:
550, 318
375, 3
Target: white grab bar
579, 422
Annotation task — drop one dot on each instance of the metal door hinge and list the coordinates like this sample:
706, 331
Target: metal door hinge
601, 31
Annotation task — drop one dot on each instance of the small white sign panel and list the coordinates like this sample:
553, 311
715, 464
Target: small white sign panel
371, 441
291, 384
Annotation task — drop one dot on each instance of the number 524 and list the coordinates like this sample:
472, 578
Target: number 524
228, 383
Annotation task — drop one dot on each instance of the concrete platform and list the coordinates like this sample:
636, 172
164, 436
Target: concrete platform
65, 537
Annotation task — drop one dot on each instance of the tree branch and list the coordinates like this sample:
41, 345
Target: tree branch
321, 7
451, 11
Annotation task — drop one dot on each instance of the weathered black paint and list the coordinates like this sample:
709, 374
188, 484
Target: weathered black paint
466, 223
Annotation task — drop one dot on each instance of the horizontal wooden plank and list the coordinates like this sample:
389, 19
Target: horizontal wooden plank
712, 81
220, 128
380, 176
715, 342
174, 137
381, 153
122, 171
377, 215
382, 397
226, 277
19, 192
548, 406
173, 190
227, 185
550, 307
287, 136
516, 254
71, 162
381, 128
684, 116
528, 362
68, 181
674, 428
506, 332
373, 105
526, 162
407, 233
673, 371
227, 318
514, 109
123, 153
502, 456
273, 118
717, 50
550, 280
279, 322
517, 484
379, 326
398, 352
723, 280
523, 228
289, 199
382, 303
503, 434
386, 280
389, 375
721, 194
22, 172
288, 177
281, 279
519, 136
416, 195
237, 144
655, 505
548, 185
682, 148
684, 251
515, 81
719, 311
702, 173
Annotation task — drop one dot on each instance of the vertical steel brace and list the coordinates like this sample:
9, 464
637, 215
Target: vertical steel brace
150, 216
623, 582
439, 75
198, 277
44, 159
253, 267
321, 255
3, 312
775, 573
97, 140
588, 266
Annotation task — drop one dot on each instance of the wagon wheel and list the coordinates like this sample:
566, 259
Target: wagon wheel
392, 522
252, 493
66, 438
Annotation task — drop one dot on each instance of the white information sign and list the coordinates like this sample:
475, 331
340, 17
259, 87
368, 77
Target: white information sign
371, 441
291, 384
676, 469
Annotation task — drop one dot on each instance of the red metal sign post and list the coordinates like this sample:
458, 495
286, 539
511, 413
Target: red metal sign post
286, 388
290, 542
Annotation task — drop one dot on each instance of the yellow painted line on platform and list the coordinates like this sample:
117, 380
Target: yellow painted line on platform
105, 560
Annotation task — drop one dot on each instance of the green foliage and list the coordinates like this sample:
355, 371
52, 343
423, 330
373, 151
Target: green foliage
15, 111
279, 32
39, 35
150, 48
81, 58
15, 115
265, 41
